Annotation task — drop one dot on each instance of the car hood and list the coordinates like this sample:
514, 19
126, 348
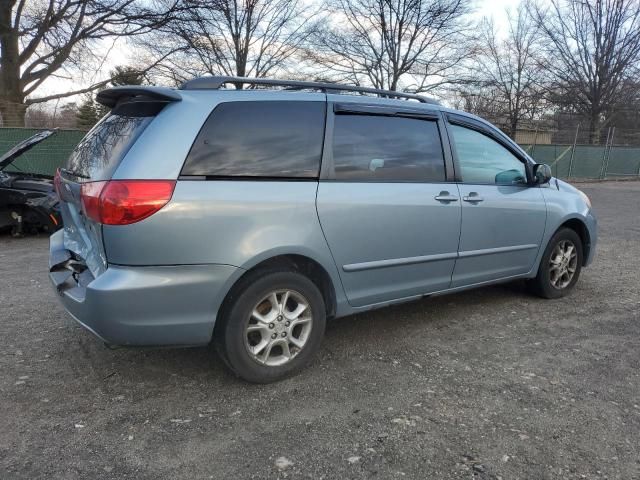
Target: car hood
564, 186
23, 146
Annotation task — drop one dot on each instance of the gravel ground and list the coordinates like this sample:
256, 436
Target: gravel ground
487, 384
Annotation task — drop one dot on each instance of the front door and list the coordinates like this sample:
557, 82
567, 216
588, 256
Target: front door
503, 217
390, 218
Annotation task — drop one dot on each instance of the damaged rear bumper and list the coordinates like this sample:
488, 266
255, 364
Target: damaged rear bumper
154, 305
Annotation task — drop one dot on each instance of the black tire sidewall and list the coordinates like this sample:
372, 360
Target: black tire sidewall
543, 281
231, 336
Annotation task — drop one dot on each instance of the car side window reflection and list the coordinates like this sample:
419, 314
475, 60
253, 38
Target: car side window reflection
381, 148
483, 160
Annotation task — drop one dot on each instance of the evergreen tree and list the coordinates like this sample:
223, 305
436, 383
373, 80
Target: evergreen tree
126, 76
87, 115
90, 111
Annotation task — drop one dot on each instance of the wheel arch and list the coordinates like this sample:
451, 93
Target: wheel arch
295, 262
580, 227
574, 223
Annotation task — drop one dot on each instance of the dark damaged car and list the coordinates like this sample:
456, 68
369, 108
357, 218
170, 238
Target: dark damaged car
28, 202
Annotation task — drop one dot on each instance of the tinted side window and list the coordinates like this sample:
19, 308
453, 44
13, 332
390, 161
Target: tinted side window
370, 147
259, 139
483, 160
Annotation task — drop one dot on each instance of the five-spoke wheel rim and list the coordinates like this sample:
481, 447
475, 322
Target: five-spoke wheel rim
278, 328
563, 264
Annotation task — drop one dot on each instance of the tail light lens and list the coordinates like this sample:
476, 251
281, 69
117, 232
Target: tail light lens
90, 198
122, 202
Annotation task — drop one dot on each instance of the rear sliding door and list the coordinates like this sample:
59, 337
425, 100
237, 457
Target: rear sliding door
390, 217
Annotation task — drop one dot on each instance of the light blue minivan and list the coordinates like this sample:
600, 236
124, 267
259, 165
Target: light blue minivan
247, 217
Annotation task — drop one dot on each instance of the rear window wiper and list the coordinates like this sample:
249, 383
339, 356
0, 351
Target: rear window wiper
74, 174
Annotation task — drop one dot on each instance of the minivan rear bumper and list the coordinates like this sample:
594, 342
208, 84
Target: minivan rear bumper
154, 305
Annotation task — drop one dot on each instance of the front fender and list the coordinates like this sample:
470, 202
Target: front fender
566, 206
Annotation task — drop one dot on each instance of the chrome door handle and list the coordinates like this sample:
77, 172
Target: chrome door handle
473, 197
446, 197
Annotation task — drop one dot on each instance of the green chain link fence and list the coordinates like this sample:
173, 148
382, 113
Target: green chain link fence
567, 161
588, 161
45, 157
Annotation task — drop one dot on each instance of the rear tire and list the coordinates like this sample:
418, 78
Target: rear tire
560, 266
271, 326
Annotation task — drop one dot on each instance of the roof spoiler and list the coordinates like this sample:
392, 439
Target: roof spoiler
111, 96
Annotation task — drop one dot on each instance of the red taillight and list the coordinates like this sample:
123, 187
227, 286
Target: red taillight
90, 198
122, 202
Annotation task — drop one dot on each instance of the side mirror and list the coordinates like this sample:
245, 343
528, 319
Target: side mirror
542, 173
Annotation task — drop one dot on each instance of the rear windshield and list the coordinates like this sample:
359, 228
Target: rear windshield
100, 152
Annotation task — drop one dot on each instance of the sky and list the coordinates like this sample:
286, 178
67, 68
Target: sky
119, 54
496, 9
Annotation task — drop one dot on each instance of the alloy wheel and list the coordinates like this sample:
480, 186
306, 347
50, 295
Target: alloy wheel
278, 327
563, 264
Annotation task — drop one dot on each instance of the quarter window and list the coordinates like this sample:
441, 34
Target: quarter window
379, 148
100, 152
483, 160
259, 139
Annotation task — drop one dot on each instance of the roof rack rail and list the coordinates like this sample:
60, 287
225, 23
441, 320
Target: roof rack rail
215, 83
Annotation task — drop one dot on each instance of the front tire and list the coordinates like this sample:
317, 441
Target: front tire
271, 327
560, 266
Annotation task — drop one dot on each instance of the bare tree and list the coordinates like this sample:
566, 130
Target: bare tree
247, 38
39, 116
593, 49
482, 101
507, 68
380, 42
625, 114
40, 39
